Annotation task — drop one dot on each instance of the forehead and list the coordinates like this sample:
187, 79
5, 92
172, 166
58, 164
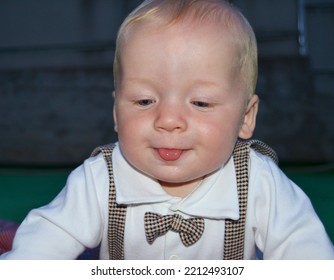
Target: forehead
179, 56
182, 36
204, 45
218, 21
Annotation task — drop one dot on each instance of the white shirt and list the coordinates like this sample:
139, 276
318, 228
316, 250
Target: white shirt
280, 222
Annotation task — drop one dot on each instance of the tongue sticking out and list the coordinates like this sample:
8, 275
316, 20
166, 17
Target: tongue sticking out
170, 154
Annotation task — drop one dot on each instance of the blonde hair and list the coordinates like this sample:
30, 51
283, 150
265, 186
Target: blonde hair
168, 12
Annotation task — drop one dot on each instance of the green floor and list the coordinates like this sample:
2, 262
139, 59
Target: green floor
22, 189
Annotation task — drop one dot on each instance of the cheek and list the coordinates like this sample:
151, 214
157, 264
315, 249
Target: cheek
131, 128
219, 137
221, 129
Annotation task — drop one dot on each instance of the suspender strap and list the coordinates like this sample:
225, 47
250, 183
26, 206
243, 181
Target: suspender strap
117, 213
235, 229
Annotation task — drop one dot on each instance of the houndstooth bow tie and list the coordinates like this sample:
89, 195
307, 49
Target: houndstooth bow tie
190, 230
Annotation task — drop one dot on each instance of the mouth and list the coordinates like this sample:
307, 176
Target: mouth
170, 154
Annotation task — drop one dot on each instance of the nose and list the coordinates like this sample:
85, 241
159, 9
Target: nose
171, 116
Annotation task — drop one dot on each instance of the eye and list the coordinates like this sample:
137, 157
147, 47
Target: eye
201, 104
144, 102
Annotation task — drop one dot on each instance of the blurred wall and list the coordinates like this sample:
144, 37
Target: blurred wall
56, 77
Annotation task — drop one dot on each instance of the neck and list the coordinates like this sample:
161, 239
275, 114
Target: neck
181, 189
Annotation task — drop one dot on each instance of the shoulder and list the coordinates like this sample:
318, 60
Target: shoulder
90, 166
267, 181
91, 174
266, 177
262, 162
96, 163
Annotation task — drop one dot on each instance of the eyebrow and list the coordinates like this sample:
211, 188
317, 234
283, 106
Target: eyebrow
202, 82
140, 80
143, 80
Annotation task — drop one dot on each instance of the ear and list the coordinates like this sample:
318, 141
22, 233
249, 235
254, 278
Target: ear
114, 113
249, 122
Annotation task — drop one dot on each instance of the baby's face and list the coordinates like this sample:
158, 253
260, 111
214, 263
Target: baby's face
179, 104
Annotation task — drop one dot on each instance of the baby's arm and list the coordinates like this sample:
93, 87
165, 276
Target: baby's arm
62, 229
287, 226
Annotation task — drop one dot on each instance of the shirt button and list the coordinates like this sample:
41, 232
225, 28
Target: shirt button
174, 257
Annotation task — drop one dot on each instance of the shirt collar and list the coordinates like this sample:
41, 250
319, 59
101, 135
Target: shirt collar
132, 186
215, 198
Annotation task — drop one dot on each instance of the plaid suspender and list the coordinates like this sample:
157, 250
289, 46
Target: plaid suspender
234, 230
117, 213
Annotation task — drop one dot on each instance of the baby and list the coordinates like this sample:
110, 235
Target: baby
185, 75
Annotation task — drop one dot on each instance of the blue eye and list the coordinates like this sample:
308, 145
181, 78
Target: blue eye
145, 102
201, 104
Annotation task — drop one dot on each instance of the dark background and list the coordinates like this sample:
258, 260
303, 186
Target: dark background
56, 77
